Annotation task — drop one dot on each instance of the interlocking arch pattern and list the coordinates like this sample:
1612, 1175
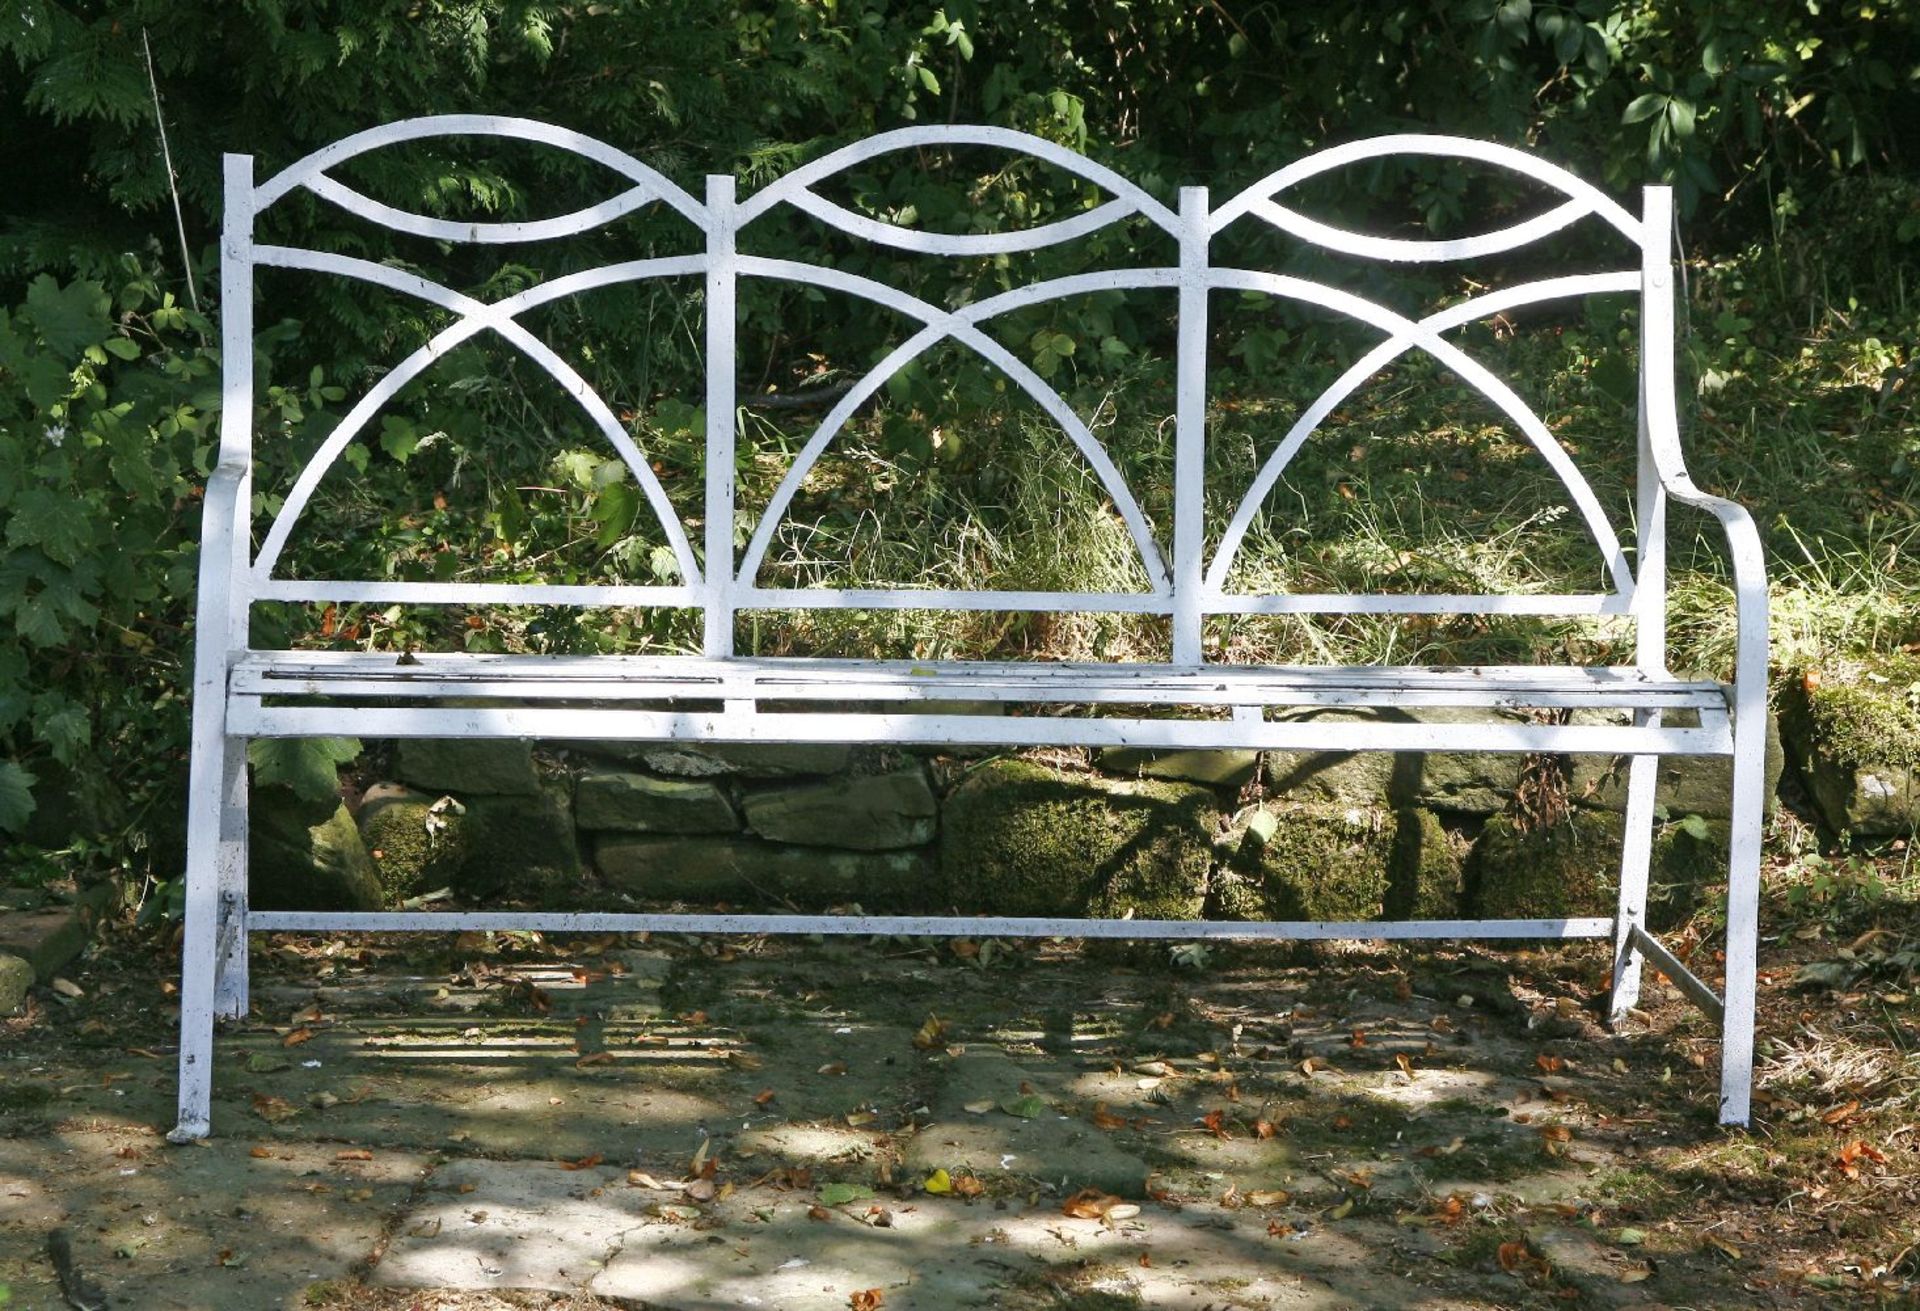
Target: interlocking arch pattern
1183, 581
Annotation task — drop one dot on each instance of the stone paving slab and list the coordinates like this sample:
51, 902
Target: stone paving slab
492, 1226
410, 1122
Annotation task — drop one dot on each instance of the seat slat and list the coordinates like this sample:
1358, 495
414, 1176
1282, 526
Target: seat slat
377, 676
1060, 693
248, 717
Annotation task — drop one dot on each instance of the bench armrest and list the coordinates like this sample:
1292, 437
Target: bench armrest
1749, 587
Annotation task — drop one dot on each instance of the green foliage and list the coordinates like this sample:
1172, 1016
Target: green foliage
308, 765
16, 796
1777, 124
104, 400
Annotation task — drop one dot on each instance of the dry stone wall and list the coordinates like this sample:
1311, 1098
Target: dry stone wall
1185, 834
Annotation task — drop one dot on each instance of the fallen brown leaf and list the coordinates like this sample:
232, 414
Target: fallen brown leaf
1840, 1114
273, 1109
1092, 1204
929, 1034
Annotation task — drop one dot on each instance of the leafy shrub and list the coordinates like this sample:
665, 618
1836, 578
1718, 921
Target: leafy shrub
105, 403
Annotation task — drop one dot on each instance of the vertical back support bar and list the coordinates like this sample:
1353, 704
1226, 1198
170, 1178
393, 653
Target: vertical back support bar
1190, 427
1750, 662
214, 945
1650, 624
720, 418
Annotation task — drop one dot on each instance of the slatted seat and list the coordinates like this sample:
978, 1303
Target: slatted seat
1181, 699
296, 693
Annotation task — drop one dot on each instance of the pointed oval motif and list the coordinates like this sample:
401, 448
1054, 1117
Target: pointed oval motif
1260, 200
796, 189
311, 173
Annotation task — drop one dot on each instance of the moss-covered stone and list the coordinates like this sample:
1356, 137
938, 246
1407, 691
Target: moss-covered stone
736, 759
1689, 785
468, 766
1550, 872
1470, 782
1319, 862
1425, 878
621, 801
307, 856
1234, 768
859, 812
749, 872
521, 847
1683, 868
16, 976
1020, 838
1573, 868
1854, 730
418, 842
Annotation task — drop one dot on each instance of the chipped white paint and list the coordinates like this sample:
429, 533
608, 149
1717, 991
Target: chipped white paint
241, 693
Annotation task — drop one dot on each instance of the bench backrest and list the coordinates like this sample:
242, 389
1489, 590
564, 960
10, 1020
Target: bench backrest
1187, 576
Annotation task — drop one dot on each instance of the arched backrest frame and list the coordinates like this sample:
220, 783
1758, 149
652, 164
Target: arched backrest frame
1184, 581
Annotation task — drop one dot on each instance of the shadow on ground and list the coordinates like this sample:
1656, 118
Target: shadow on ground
604, 1122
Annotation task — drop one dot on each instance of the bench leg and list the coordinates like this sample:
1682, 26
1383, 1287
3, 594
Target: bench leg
1743, 919
230, 984
216, 863
1635, 858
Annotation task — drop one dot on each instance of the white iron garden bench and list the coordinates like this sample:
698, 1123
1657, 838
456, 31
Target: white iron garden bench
1183, 701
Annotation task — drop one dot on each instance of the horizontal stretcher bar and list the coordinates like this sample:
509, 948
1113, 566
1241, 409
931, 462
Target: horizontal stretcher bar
654, 679
248, 718
473, 664
950, 926
1279, 698
1683, 978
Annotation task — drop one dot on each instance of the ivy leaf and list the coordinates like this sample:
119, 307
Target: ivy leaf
131, 466
398, 437
1695, 826
308, 765
37, 619
63, 726
70, 318
54, 523
615, 510
16, 796
1644, 107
